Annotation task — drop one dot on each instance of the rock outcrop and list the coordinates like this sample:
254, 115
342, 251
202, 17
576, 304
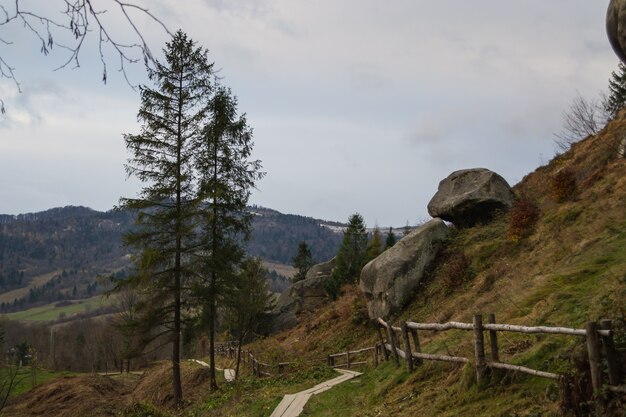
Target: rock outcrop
389, 280
305, 295
470, 196
621, 149
616, 27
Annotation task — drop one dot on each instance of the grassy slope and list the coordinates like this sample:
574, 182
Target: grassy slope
10, 296
571, 269
50, 312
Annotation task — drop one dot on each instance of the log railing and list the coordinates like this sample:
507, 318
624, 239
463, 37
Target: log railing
599, 338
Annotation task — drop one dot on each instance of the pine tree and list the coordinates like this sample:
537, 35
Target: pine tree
303, 261
249, 298
617, 91
161, 158
226, 176
351, 256
391, 239
375, 245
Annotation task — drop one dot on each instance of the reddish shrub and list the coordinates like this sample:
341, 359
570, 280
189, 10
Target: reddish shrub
522, 218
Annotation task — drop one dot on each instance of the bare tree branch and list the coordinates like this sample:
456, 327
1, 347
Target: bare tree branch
583, 118
78, 19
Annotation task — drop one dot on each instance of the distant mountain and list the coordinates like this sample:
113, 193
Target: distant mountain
60, 254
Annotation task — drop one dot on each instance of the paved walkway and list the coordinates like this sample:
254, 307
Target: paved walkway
293, 404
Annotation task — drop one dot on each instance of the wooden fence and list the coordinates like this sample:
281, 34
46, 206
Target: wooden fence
599, 338
261, 369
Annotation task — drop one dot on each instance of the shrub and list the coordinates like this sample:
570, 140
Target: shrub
522, 218
455, 270
563, 186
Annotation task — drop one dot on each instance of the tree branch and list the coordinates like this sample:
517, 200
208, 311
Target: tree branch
80, 18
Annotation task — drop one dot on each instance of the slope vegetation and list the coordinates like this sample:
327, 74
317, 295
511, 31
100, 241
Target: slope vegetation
562, 264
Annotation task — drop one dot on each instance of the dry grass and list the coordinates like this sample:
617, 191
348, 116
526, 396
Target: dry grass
72, 396
38, 281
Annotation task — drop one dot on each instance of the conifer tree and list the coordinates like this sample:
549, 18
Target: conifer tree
249, 298
351, 256
617, 91
303, 261
161, 158
391, 239
226, 177
375, 245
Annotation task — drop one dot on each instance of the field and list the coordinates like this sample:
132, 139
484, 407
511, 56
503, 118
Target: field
38, 281
51, 312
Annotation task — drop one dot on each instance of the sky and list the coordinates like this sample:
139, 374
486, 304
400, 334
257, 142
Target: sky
356, 105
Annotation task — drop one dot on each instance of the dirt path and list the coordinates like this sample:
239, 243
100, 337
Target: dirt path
293, 404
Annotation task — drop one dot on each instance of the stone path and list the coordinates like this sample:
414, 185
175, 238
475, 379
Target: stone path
293, 404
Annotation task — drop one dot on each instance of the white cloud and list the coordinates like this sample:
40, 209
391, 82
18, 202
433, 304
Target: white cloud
357, 105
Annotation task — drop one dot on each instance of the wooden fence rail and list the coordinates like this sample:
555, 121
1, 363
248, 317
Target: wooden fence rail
599, 340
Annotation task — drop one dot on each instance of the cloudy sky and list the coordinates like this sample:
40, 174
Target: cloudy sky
357, 105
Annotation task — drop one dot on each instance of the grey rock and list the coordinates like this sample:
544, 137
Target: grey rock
470, 196
616, 27
389, 280
305, 295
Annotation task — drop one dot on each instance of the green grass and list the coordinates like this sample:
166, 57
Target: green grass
27, 378
50, 312
253, 397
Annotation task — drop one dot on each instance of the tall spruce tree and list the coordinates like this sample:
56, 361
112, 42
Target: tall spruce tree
617, 91
226, 177
303, 261
162, 159
351, 256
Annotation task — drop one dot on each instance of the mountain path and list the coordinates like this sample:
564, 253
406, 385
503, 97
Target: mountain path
293, 404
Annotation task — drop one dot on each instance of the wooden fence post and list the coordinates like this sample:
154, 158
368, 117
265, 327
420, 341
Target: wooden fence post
493, 339
348, 358
479, 348
376, 355
416, 344
615, 377
382, 343
593, 350
392, 341
407, 347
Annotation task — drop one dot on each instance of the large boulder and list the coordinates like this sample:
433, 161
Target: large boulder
616, 27
305, 295
389, 280
470, 196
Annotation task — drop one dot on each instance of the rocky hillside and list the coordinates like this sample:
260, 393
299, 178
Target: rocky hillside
557, 258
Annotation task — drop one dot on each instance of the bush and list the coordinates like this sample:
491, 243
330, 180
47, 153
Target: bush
455, 270
563, 186
522, 218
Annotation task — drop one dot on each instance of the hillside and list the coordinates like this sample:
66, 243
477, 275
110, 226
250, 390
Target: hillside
570, 267
567, 268
60, 254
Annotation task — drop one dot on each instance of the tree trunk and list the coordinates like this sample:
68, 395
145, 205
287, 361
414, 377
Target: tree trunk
238, 356
212, 376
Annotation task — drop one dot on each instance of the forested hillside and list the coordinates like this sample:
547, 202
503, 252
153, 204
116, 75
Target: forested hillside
68, 253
